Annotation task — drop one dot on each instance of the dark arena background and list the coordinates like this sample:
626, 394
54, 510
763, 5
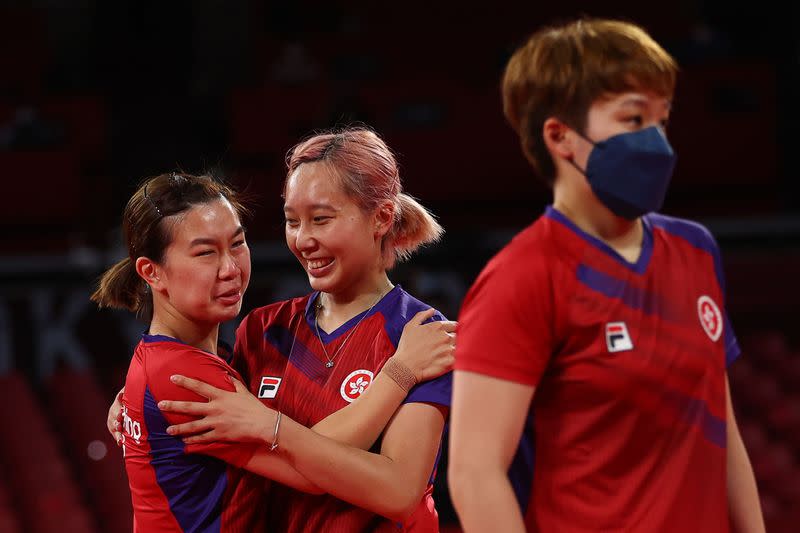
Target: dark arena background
95, 95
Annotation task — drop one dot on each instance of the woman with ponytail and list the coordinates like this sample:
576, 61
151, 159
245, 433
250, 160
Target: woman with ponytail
187, 269
347, 222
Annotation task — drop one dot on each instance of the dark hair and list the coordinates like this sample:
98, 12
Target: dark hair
147, 225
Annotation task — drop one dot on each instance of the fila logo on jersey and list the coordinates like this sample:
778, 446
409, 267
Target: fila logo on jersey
354, 384
617, 338
710, 317
269, 386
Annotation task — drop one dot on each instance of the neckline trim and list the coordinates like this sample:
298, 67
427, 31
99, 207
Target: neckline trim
344, 328
642, 262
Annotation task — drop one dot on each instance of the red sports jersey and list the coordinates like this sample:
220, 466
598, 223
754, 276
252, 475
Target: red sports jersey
628, 421
176, 486
280, 355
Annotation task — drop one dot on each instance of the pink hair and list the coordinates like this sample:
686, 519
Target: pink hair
369, 174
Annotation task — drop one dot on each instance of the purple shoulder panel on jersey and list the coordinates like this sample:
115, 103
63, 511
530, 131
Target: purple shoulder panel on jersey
397, 313
193, 484
436, 391
695, 234
399, 309
700, 237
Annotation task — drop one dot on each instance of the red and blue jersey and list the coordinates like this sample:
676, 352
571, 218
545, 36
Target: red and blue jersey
627, 427
282, 358
176, 486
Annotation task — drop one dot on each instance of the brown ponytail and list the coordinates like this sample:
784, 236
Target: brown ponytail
120, 287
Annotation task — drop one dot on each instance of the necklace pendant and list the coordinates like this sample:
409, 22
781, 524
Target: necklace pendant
329, 364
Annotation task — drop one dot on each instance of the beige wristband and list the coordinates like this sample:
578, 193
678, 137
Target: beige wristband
400, 373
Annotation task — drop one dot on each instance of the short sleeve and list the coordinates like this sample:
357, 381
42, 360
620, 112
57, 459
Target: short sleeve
505, 327
436, 391
210, 369
732, 350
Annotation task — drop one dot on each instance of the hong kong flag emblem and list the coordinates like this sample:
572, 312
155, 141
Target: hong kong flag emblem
355, 384
617, 337
710, 317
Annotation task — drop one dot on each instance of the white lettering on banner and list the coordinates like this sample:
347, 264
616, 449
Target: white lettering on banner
55, 334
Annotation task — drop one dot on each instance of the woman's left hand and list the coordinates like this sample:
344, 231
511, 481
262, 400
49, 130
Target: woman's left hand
227, 416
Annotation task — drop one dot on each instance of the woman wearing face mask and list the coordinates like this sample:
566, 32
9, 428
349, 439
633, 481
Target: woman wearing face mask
590, 388
187, 270
347, 222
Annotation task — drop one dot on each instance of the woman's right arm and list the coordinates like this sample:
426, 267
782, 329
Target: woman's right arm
271, 465
487, 419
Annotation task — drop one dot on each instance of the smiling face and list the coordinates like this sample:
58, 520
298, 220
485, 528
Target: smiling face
206, 267
336, 242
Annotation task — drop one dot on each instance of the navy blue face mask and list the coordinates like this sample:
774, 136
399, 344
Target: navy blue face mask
630, 172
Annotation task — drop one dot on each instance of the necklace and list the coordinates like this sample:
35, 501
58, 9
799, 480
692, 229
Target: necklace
318, 306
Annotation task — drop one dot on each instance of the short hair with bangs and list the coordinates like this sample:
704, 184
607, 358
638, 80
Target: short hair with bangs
561, 70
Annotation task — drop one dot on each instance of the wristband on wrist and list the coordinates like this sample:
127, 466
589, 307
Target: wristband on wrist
400, 373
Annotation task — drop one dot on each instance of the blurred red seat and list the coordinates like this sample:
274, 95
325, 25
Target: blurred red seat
784, 418
771, 508
770, 466
754, 436
60, 513
40, 479
9, 523
79, 406
787, 487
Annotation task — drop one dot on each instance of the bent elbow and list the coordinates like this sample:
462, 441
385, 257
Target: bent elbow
401, 514
403, 505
